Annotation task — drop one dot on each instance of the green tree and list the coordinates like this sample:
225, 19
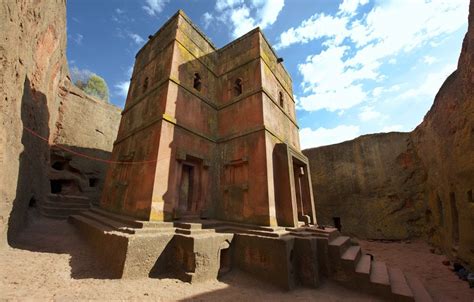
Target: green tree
96, 86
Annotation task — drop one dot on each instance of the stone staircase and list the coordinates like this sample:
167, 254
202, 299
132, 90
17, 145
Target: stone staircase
338, 258
350, 266
61, 206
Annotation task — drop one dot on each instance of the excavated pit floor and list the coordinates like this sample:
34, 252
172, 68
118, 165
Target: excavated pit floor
50, 261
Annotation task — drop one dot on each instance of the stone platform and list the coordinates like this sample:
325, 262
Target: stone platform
199, 250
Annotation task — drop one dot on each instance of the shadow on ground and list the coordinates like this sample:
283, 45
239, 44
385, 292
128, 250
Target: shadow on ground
57, 236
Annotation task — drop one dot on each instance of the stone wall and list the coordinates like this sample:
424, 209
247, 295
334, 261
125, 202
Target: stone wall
36, 94
373, 185
403, 185
444, 142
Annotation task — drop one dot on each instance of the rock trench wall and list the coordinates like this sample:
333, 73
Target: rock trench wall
36, 94
405, 185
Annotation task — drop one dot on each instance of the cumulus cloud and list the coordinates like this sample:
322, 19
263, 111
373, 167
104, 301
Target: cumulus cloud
154, 7
322, 136
430, 84
368, 113
349, 7
392, 128
243, 16
357, 46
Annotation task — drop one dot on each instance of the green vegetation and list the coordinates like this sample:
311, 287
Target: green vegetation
90, 83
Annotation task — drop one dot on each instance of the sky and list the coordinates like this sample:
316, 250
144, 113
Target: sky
358, 66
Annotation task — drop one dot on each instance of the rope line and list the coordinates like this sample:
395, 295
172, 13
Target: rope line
88, 156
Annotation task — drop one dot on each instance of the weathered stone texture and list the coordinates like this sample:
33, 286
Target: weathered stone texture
36, 92
201, 124
444, 142
374, 184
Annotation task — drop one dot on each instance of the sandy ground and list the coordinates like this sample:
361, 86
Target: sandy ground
51, 262
415, 257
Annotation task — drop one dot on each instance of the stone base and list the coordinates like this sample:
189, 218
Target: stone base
194, 251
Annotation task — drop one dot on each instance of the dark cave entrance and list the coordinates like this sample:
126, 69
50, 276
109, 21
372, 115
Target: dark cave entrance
337, 223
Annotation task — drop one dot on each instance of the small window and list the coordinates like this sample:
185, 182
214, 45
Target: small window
197, 82
145, 85
469, 196
238, 87
281, 100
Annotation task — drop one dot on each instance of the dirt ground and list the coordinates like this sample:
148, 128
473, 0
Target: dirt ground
415, 257
49, 261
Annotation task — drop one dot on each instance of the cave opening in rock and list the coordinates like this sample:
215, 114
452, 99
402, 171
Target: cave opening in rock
454, 218
59, 165
63, 186
32, 202
337, 223
93, 182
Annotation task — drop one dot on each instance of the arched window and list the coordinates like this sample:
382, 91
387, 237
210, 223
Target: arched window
280, 98
238, 87
145, 84
197, 82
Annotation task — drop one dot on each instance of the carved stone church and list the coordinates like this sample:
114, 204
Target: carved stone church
209, 133
207, 175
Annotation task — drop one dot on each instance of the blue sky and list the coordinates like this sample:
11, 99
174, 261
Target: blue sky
358, 66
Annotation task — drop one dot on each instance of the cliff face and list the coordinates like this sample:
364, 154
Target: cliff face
373, 185
397, 185
35, 94
444, 142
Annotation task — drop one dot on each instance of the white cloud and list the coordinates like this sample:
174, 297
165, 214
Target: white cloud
429, 60
368, 113
119, 11
357, 46
225, 4
431, 84
349, 7
323, 136
242, 21
333, 100
317, 26
136, 38
154, 7
392, 128
122, 88
207, 19
243, 17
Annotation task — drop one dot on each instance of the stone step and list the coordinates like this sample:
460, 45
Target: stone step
399, 285
84, 222
124, 219
379, 273
68, 198
57, 212
67, 205
338, 246
109, 222
352, 254
418, 289
363, 266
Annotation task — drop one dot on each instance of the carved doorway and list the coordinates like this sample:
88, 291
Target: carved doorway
190, 190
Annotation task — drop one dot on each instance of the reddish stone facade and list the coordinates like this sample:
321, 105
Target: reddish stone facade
209, 133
